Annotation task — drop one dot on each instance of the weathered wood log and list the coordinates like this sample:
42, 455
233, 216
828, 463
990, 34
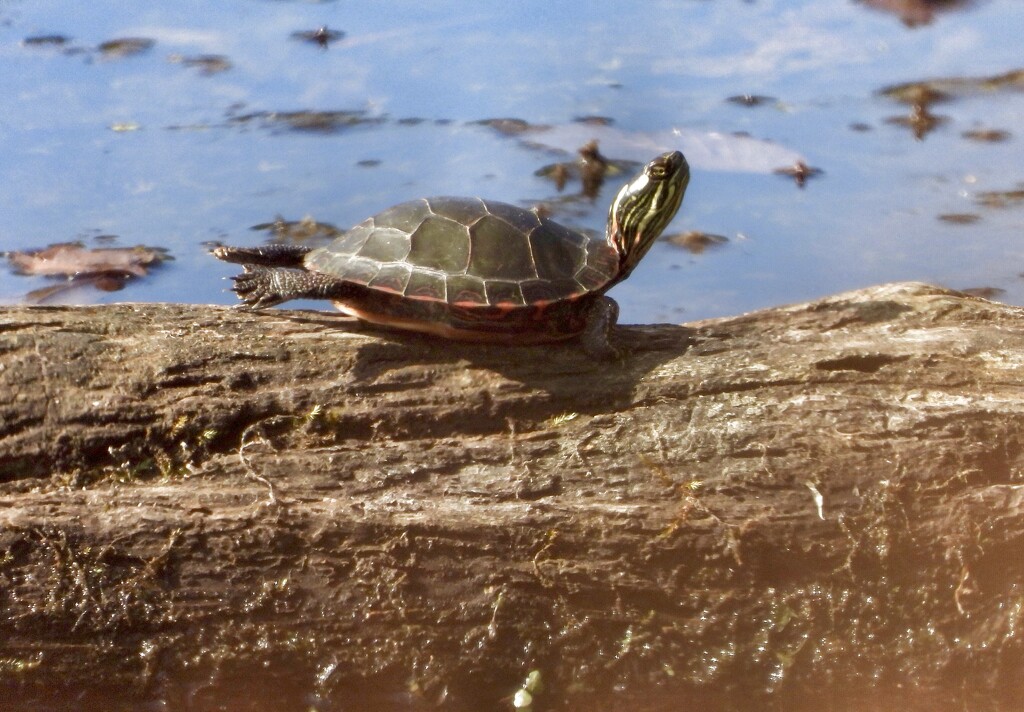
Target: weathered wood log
818, 505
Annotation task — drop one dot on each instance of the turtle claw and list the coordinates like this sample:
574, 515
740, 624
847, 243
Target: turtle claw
282, 255
255, 287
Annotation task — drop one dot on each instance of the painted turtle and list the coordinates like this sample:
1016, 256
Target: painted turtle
473, 269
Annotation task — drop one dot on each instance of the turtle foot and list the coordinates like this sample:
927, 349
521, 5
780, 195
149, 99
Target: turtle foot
257, 288
602, 351
260, 287
267, 255
596, 335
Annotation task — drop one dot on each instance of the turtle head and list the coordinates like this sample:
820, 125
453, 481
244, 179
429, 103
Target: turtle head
645, 206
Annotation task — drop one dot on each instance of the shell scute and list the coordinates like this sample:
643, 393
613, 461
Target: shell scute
522, 220
352, 241
464, 211
541, 291
392, 278
386, 244
500, 251
427, 285
440, 243
556, 258
560, 233
464, 290
500, 293
357, 271
404, 216
591, 279
604, 259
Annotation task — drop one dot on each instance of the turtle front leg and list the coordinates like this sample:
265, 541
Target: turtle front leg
261, 287
596, 334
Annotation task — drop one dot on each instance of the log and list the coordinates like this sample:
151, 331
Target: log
809, 507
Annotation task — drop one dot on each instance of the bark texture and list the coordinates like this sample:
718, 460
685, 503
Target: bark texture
817, 506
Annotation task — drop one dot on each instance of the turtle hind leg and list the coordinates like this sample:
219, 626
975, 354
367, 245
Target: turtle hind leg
261, 287
267, 255
596, 334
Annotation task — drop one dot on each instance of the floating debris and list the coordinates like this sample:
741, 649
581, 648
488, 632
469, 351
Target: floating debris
1000, 198
915, 94
107, 269
509, 127
73, 259
696, 241
931, 91
594, 120
800, 172
593, 168
46, 41
125, 127
368, 163
921, 121
987, 135
125, 47
189, 127
590, 169
984, 292
960, 218
299, 230
1010, 80
321, 36
558, 172
410, 121
861, 127
751, 100
321, 122
207, 64
915, 13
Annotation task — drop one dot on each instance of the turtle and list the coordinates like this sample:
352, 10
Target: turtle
473, 269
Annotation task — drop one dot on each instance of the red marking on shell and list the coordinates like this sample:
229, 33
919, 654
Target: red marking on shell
424, 294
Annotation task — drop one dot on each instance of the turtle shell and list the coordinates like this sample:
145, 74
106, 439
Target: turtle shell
470, 254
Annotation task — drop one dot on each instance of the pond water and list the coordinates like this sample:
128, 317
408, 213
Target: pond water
160, 144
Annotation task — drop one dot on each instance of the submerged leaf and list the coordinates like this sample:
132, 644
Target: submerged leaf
70, 259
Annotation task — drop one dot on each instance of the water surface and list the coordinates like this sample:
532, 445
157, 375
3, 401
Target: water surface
157, 151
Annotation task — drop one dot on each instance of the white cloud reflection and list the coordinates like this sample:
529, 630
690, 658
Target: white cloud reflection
769, 41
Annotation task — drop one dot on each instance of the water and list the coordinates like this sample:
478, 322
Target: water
186, 173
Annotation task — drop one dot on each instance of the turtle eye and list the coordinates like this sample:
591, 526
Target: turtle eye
657, 170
